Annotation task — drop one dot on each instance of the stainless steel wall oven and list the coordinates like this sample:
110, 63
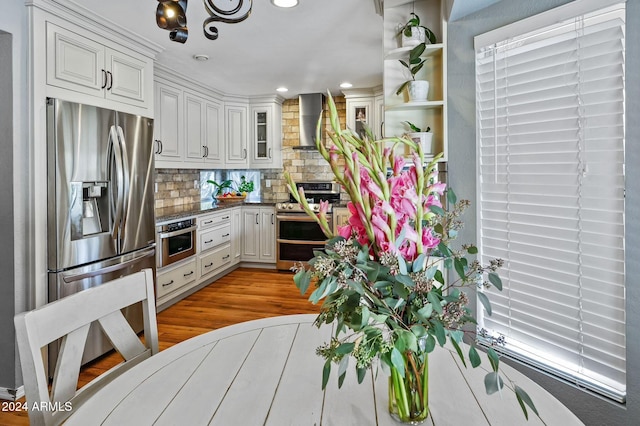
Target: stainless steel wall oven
176, 241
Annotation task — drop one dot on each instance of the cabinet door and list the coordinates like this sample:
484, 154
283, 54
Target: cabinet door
214, 134
168, 122
236, 235
251, 234
74, 62
194, 128
236, 134
130, 79
360, 115
267, 234
261, 135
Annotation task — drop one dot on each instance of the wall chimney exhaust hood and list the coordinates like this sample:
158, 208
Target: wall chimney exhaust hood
311, 107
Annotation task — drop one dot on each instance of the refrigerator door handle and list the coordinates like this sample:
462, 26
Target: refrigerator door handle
102, 271
119, 190
126, 177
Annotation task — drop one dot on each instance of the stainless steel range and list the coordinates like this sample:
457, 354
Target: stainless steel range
297, 234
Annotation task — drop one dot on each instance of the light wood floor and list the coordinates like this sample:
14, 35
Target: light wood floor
243, 295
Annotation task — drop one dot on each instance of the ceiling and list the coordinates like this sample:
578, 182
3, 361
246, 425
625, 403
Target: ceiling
308, 48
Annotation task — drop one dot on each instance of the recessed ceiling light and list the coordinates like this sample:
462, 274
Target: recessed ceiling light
201, 57
282, 89
346, 85
285, 3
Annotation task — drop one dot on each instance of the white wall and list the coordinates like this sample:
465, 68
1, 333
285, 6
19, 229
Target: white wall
462, 177
13, 182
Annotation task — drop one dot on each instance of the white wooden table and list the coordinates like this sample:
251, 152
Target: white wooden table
265, 372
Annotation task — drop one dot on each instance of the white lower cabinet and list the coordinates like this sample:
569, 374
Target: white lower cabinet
214, 243
174, 278
259, 234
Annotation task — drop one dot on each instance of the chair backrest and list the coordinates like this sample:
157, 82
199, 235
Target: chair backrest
69, 318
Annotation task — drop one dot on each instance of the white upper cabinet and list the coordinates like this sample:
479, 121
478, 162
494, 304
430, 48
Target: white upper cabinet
203, 130
81, 64
236, 133
168, 124
266, 135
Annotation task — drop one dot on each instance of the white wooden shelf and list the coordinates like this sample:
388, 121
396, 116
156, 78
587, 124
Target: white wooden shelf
413, 105
403, 52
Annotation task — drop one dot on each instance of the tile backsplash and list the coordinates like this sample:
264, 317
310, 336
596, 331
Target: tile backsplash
182, 186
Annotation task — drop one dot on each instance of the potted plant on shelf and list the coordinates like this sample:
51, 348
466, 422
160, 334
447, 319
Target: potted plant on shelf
417, 90
413, 33
422, 137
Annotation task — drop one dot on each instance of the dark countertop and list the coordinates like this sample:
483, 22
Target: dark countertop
187, 210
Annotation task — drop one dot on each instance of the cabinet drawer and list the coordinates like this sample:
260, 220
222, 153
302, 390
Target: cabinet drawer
211, 220
168, 281
215, 237
215, 259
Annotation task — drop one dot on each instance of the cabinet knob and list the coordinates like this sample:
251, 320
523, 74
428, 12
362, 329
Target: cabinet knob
244, 153
159, 146
270, 153
104, 79
257, 216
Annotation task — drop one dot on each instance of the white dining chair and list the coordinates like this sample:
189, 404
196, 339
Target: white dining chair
69, 319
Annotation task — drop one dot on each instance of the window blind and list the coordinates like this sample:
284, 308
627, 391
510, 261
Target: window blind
550, 129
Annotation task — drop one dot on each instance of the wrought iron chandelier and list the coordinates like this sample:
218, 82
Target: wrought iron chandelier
171, 15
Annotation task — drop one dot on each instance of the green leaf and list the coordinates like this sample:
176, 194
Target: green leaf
437, 210
485, 301
451, 196
342, 370
430, 344
302, 279
397, 361
418, 263
418, 330
425, 312
494, 279
435, 301
474, 357
417, 51
444, 249
365, 316
524, 397
361, 372
402, 87
441, 335
318, 292
472, 250
345, 348
493, 359
459, 266
326, 370
400, 291
405, 280
402, 265
356, 286
372, 270
457, 348
406, 341
439, 277
493, 383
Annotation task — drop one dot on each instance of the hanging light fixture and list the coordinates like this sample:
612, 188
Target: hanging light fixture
171, 15
285, 3
226, 11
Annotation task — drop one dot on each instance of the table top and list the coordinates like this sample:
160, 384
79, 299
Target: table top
265, 372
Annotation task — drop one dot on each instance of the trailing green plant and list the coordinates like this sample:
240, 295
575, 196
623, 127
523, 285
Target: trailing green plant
414, 22
415, 128
414, 65
220, 187
245, 185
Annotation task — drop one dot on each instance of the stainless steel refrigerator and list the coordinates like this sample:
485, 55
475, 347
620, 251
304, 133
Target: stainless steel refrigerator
100, 219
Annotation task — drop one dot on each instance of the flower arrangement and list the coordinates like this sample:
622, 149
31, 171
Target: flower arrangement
392, 276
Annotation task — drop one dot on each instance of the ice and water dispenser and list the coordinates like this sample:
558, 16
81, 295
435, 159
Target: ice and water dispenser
90, 213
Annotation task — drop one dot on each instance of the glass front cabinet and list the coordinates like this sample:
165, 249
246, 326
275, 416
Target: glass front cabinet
266, 135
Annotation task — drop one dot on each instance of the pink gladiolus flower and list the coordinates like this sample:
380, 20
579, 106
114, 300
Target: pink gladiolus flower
429, 241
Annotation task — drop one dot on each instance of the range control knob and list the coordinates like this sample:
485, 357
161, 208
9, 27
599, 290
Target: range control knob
316, 208
290, 206
279, 206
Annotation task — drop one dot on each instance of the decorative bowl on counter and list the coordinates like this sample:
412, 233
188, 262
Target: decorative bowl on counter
228, 198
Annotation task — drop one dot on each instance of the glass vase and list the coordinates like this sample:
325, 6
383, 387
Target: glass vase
409, 395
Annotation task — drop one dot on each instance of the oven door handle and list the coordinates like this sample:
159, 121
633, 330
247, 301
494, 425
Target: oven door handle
305, 242
178, 232
297, 218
